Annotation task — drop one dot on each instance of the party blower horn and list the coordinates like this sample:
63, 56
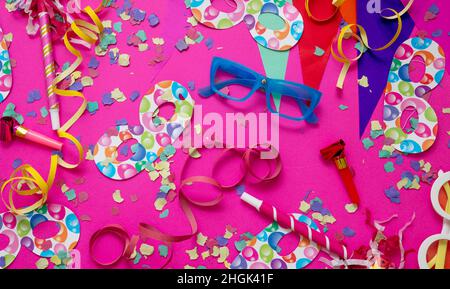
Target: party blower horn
9, 127
336, 152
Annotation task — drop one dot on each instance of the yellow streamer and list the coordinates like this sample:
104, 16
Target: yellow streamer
308, 11
363, 39
26, 175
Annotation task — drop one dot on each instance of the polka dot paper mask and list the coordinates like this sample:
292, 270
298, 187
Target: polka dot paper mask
20, 232
262, 251
5, 69
402, 92
249, 11
153, 135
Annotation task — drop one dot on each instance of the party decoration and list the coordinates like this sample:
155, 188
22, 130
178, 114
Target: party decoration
376, 64
263, 252
249, 12
320, 30
5, 69
336, 152
153, 135
288, 221
20, 232
402, 92
436, 257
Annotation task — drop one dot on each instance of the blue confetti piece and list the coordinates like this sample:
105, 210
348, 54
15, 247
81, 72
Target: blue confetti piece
135, 95
31, 114
434, 9
392, 195
77, 86
138, 15
181, 45
93, 63
399, 159
153, 20
122, 121
16, 163
316, 205
348, 232
415, 165
436, 33
33, 96
222, 241
209, 43
191, 85
107, 99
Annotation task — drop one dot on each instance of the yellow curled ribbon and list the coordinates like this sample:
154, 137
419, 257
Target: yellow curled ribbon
25, 180
310, 15
363, 39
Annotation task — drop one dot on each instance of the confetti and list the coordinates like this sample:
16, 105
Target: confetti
193, 255
389, 167
164, 214
343, 107
368, 143
304, 207
318, 51
163, 250
117, 197
364, 81
201, 239
153, 20
351, 208
146, 250
70, 194
124, 60
92, 107
392, 194
16, 163
42, 263
348, 232
33, 96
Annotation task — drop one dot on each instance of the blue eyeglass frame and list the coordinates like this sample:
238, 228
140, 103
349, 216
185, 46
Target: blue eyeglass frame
252, 79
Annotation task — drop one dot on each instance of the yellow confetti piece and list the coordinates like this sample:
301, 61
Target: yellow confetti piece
194, 153
446, 110
388, 148
55, 260
317, 216
146, 250
160, 203
304, 207
87, 81
189, 41
193, 255
205, 254
153, 175
426, 167
8, 37
188, 267
89, 156
415, 184
364, 81
328, 219
402, 183
124, 60
118, 95
375, 125
215, 252
124, 16
107, 23
64, 188
228, 234
42, 263
191, 20
142, 47
117, 197
201, 239
351, 208
224, 252
158, 41
164, 173
227, 264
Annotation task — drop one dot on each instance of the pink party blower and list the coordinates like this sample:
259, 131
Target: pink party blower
10, 127
289, 222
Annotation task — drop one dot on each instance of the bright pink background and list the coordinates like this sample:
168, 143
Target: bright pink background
300, 143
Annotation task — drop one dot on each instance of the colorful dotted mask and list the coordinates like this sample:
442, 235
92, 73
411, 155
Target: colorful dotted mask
5, 69
401, 92
262, 252
153, 135
250, 11
20, 232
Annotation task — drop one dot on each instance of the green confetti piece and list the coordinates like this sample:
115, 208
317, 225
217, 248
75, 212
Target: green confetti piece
92, 107
44, 111
201, 267
142, 35
163, 250
169, 149
383, 154
70, 194
318, 51
240, 245
389, 167
343, 107
137, 258
118, 26
164, 214
376, 133
165, 189
368, 143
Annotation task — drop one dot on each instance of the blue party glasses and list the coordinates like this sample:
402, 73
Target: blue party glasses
297, 101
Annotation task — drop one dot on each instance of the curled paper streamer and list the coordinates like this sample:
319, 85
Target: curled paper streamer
26, 174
